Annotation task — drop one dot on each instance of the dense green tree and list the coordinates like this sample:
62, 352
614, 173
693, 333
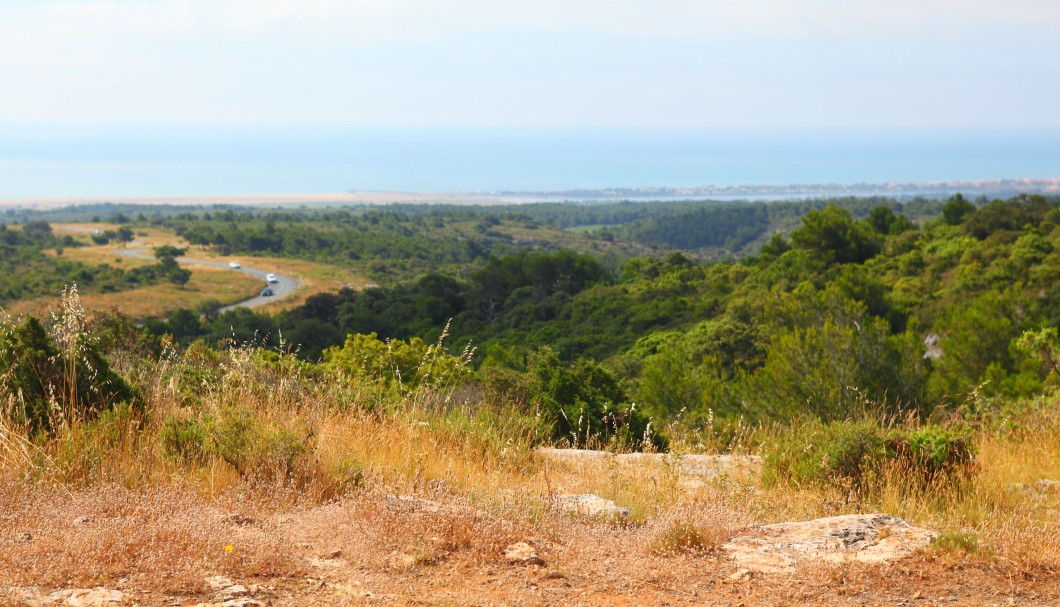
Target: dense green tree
832, 236
956, 209
586, 403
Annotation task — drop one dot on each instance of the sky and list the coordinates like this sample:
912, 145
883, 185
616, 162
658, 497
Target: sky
745, 64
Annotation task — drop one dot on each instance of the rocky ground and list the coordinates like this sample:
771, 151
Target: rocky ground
430, 545
174, 549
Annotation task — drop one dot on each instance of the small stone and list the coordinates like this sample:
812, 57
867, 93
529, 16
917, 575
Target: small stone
316, 563
553, 575
24, 537
233, 591
521, 553
400, 560
82, 520
241, 602
331, 554
218, 582
741, 575
238, 519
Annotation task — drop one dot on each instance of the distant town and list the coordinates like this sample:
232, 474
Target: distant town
986, 187
989, 188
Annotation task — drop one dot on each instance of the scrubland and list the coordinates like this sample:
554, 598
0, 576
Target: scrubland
337, 485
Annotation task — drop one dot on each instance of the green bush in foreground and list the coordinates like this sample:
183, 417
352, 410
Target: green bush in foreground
235, 436
852, 455
845, 454
933, 451
46, 384
587, 405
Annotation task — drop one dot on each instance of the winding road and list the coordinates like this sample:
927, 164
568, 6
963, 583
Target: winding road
284, 285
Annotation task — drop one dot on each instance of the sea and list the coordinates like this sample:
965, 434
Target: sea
53, 161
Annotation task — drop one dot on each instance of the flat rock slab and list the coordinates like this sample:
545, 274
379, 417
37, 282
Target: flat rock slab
703, 466
870, 538
521, 553
70, 597
591, 505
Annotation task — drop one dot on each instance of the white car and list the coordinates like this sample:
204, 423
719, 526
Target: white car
234, 265
270, 278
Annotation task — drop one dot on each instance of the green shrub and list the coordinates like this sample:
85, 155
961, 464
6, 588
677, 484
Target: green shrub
235, 436
407, 364
933, 450
851, 455
587, 405
185, 438
844, 454
48, 384
966, 542
276, 450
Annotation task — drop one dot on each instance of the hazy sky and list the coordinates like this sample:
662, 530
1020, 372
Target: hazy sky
652, 63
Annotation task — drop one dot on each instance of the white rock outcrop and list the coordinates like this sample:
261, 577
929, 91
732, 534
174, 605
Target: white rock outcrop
701, 466
591, 505
871, 538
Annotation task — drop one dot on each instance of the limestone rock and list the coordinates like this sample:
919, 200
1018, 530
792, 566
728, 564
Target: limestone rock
401, 561
320, 563
82, 597
521, 553
1048, 487
1041, 492
592, 505
240, 602
233, 591
742, 575
701, 466
218, 582
873, 538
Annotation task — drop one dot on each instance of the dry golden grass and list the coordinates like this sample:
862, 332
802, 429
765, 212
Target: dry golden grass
157, 300
97, 534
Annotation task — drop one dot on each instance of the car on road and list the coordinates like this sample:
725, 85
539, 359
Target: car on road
267, 292
234, 265
271, 278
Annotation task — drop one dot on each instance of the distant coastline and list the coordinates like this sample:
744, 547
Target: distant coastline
987, 188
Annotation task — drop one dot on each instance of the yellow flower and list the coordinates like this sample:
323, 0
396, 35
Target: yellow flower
229, 548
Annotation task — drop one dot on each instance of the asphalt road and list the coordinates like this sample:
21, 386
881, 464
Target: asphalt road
284, 286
